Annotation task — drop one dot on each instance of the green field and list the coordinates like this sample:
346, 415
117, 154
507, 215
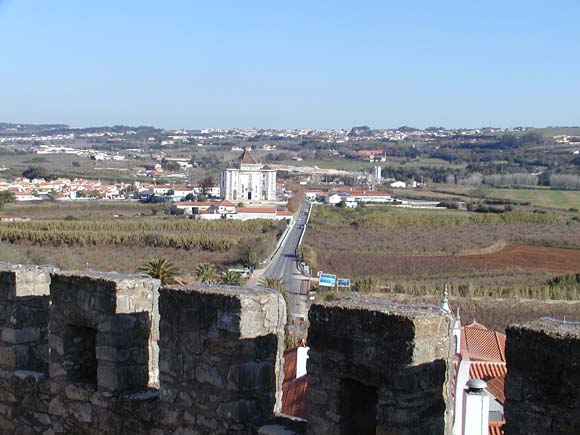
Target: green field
541, 197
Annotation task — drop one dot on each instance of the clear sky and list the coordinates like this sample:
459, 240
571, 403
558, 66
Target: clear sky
289, 64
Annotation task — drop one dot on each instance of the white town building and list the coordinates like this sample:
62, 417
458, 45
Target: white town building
250, 181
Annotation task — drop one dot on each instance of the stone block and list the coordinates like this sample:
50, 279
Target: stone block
19, 336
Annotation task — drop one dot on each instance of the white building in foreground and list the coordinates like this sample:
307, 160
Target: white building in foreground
250, 181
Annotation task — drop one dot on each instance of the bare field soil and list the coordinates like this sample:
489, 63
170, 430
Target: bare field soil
512, 254
40, 210
442, 240
519, 257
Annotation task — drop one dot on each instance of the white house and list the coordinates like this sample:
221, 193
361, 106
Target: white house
250, 181
333, 199
399, 184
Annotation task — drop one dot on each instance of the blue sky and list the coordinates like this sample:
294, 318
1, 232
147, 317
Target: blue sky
315, 64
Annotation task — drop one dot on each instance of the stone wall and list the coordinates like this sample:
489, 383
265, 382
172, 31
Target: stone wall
24, 298
543, 379
221, 355
127, 357
389, 361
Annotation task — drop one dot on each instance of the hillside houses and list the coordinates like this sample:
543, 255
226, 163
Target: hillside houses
173, 192
63, 189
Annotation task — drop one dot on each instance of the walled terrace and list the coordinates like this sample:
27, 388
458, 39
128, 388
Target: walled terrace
102, 353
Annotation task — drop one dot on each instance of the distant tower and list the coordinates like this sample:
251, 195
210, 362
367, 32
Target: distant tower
377, 177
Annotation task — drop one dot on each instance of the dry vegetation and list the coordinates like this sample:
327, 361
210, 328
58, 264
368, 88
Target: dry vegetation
123, 244
417, 252
495, 314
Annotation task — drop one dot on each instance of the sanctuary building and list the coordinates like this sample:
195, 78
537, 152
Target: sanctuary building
248, 181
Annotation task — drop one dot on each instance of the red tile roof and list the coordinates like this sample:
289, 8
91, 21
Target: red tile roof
256, 210
493, 374
193, 204
481, 344
290, 356
284, 213
495, 427
293, 389
294, 397
248, 158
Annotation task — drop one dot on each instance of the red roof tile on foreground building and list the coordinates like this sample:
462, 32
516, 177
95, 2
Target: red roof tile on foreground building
496, 428
481, 344
294, 397
481, 355
293, 388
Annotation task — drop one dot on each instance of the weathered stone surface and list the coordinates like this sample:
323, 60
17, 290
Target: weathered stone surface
220, 355
24, 312
361, 349
543, 379
222, 346
96, 339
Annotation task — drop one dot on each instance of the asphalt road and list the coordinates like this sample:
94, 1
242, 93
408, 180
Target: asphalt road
284, 265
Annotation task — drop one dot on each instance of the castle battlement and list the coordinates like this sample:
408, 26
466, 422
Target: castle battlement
98, 353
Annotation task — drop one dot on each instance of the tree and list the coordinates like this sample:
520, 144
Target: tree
169, 165
273, 283
252, 251
231, 278
162, 269
6, 197
206, 273
33, 172
207, 183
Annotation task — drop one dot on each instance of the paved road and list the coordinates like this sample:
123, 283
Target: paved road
284, 265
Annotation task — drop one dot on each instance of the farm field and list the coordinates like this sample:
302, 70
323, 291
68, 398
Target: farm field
514, 253
353, 165
562, 199
122, 245
41, 210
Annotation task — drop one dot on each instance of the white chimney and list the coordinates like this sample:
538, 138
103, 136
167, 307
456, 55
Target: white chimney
476, 408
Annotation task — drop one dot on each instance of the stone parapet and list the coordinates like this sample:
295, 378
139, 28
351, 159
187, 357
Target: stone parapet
221, 354
377, 365
104, 330
542, 385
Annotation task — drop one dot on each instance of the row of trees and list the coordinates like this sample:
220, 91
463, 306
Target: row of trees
565, 181
517, 180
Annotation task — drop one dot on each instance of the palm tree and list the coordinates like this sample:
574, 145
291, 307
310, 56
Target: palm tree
272, 282
206, 273
160, 268
231, 278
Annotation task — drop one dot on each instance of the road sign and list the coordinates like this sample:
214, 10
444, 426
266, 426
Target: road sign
343, 282
326, 279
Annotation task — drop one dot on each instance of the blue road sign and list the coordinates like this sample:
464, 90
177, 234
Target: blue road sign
326, 279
